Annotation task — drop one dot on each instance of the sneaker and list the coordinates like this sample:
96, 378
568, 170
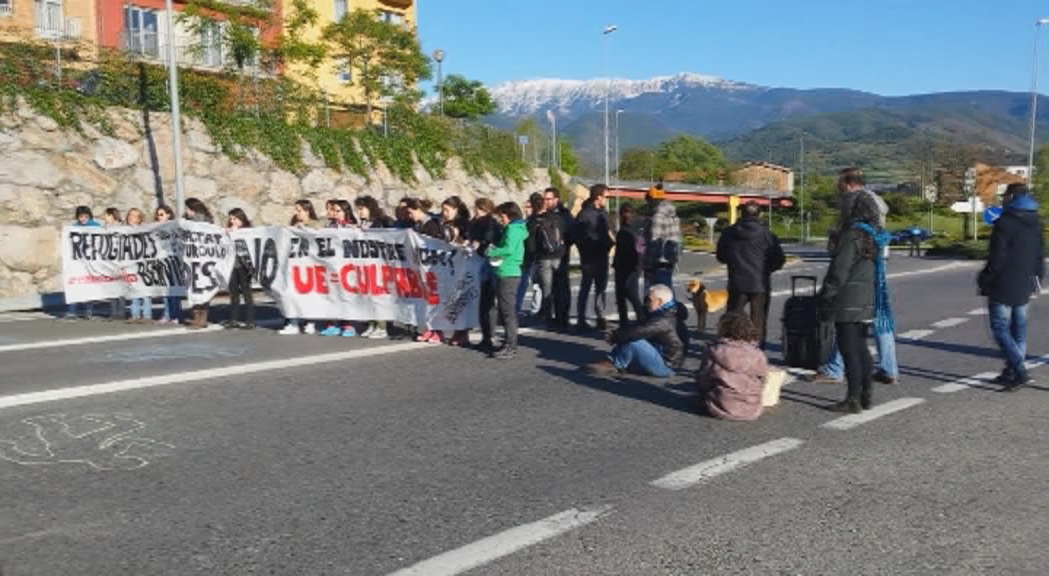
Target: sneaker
435, 338
505, 353
602, 368
331, 331
821, 378
309, 330
377, 334
289, 330
349, 332
884, 378
460, 338
1018, 381
424, 337
368, 333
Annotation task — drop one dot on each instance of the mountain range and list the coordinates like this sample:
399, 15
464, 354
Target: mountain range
885, 134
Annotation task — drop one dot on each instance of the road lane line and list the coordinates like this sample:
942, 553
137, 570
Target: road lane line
110, 338
965, 383
854, 420
504, 543
978, 312
949, 323
55, 395
915, 334
902, 274
688, 477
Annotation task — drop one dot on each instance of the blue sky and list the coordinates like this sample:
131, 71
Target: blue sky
891, 47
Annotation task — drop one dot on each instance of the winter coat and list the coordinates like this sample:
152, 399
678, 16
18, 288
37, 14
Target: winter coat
590, 234
485, 230
554, 219
509, 252
752, 253
660, 328
430, 227
626, 258
731, 378
663, 240
848, 288
846, 200
1016, 256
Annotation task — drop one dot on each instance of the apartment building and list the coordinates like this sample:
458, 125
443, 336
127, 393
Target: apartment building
66, 22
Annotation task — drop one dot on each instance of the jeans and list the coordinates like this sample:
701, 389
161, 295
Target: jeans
595, 275
852, 340
488, 312
759, 310
142, 308
172, 309
640, 357
1009, 326
117, 308
74, 309
507, 293
627, 291
240, 287
528, 277
886, 344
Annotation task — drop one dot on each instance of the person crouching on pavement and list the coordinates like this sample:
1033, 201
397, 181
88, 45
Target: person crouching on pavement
651, 347
733, 370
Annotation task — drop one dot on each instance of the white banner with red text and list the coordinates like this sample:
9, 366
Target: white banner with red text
315, 274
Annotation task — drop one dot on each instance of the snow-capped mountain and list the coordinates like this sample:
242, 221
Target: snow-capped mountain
527, 97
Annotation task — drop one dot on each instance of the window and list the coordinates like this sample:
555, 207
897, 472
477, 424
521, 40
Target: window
211, 49
48, 18
5, 8
344, 72
341, 8
392, 17
140, 30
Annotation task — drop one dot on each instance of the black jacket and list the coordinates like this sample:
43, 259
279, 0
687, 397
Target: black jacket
626, 258
848, 288
486, 231
590, 234
752, 253
661, 329
553, 218
430, 227
1017, 255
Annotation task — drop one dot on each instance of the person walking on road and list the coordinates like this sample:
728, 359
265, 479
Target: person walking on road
752, 253
847, 298
663, 240
915, 250
592, 237
1015, 269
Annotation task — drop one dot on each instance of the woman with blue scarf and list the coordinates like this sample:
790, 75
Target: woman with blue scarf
854, 294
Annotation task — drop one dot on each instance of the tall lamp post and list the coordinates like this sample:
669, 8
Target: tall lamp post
618, 158
1034, 98
608, 87
438, 56
176, 112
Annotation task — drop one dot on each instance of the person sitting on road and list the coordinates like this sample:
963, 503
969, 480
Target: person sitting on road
733, 370
652, 347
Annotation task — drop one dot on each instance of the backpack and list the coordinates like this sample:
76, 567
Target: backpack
549, 239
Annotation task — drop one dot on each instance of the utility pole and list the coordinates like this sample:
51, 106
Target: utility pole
608, 88
176, 111
801, 203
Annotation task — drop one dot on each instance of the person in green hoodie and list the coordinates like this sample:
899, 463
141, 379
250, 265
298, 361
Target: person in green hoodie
507, 257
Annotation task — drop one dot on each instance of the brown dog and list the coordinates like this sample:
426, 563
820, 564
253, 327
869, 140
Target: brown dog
705, 301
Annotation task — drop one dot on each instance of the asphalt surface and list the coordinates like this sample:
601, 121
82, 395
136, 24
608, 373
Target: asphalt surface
232, 452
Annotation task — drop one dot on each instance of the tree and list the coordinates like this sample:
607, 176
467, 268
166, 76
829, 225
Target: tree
386, 58
567, 156
701, 161
464, 98
1041, 179
640, 164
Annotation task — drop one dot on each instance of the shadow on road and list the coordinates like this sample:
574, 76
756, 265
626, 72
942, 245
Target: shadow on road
951, 347
629, 386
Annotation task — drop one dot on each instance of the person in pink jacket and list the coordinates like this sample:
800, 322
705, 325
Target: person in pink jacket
732, 372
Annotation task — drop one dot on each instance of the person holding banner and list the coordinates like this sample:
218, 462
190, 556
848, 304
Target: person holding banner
484, 232
117, 306
340, 215
507, 258
196, 211
85, 218
425, 224
172, 304
304, 217
241, 278
141, 308
371, 216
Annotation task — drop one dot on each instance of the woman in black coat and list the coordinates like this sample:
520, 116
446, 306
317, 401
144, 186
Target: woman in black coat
847, 299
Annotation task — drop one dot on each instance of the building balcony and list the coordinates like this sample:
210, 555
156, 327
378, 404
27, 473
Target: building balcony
6, 11
398, 4
148, 46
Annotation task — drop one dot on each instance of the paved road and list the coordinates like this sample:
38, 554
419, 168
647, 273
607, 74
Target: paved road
131, 450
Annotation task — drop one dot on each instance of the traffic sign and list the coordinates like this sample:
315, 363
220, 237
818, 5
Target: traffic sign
991, 214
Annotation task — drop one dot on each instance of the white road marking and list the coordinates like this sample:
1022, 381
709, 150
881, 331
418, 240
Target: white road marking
504, 543
24, 317
949, 323
915, 334
978, 312
854, 420
688, 477
965, 383
30, 398
159, 333
935, 270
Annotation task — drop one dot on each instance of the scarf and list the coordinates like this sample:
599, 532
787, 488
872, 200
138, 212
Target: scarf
883, 323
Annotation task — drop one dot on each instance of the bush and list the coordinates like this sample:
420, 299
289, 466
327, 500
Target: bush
966, 249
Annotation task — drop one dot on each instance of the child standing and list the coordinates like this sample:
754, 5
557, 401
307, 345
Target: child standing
241, 277
141, 308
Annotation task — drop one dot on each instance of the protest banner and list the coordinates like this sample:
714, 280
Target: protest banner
327, 274
190, 259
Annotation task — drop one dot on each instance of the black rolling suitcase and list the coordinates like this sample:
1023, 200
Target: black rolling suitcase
806, 339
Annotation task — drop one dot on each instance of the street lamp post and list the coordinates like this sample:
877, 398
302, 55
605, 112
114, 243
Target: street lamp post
618, 158
176, 114
608, 87
438, 56
1034, 98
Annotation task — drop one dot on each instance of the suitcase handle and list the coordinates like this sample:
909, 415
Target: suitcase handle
794, 284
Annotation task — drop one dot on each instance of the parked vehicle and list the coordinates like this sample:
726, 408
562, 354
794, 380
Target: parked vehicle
904, 236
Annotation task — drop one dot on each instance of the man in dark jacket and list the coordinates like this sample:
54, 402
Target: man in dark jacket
752, 253
591, 236
652, 347
550, 237
1015, 268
